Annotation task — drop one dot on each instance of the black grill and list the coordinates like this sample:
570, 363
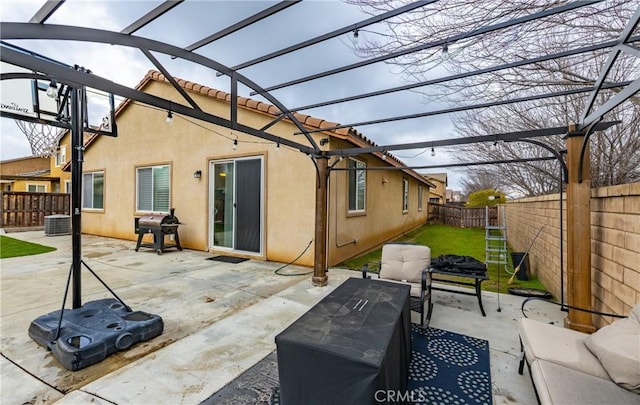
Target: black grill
161, 226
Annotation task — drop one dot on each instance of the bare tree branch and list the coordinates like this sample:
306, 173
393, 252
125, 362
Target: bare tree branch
615, 152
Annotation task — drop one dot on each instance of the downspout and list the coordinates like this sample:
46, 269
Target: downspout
335, 193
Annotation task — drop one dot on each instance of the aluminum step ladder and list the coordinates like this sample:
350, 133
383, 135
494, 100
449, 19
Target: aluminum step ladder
496, 239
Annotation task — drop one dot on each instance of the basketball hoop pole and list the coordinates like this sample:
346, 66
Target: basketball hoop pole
77, 109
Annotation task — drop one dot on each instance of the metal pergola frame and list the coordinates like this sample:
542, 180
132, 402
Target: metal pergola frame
38, 29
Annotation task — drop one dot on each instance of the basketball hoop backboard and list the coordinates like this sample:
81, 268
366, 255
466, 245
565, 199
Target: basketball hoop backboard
100, 113
24, 96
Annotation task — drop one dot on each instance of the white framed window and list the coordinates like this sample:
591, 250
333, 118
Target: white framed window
419, 198
36, 188
61, 155
357, 179
405, 195
67, 186
93, 190
153, 188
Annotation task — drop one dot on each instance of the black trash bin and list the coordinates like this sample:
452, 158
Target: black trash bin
523, 273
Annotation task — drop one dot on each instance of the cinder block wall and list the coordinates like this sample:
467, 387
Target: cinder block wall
615, 244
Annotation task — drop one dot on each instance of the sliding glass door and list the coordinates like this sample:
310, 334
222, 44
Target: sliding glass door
236, 204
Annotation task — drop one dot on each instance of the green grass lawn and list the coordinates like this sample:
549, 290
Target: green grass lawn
444, 239
10, 247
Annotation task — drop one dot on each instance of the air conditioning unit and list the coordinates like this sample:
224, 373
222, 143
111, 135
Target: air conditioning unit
57, 225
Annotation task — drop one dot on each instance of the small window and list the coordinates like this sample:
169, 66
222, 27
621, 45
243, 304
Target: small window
93, 190
405, 195
419, 198
61, 155
357, 185
153, 189
36, 188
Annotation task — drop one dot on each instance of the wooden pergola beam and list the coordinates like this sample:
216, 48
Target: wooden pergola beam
320, 277
578, 234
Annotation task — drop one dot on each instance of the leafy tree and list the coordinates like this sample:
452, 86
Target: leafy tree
488, 197
588, 25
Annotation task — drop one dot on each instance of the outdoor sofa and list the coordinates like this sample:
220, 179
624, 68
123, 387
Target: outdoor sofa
570, 367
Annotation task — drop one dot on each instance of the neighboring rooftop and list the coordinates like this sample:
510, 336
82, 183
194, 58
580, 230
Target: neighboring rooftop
26, 165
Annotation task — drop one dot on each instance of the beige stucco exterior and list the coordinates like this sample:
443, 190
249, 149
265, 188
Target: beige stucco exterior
20, 173
437, 194
51, 174
59, 165
288, 189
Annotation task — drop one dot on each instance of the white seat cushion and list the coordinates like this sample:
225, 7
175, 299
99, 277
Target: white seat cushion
556, 384
404, 262
617, 346
562, 346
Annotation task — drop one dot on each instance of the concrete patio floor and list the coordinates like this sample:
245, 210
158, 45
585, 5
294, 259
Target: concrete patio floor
220, 319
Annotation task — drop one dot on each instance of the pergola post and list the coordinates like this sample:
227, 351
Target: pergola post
578, 234
320, 255
77, 120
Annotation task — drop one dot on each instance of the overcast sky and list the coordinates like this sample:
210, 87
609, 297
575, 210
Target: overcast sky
195, 20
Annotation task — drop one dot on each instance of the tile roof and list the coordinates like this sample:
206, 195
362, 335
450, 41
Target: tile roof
251, 104
348, 134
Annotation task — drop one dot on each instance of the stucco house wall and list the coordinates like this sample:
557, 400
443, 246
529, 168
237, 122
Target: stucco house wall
17, 174
438, 194
59, 167
23, 165
187, 145
49, 172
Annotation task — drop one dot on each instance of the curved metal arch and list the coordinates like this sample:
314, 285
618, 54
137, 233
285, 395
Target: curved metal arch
556, 154
585, 143
81, 34
622, 46
75, 78
589, 120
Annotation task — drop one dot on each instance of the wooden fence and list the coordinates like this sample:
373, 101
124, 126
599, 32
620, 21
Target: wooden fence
23, 209
463, 217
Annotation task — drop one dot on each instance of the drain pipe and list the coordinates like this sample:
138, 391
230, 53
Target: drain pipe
335, 200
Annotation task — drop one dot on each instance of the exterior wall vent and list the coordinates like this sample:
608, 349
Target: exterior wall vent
57, 225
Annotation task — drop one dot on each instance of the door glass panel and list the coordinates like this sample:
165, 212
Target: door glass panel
248, 203
223, 205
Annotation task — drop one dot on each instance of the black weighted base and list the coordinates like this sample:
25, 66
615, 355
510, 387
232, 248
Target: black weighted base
94, 331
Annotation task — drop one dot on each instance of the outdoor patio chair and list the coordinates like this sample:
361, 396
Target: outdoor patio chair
408, 263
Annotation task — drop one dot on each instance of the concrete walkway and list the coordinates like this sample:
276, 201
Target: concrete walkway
220, 319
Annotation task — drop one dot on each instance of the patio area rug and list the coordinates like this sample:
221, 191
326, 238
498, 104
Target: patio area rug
449, 368
446, 368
